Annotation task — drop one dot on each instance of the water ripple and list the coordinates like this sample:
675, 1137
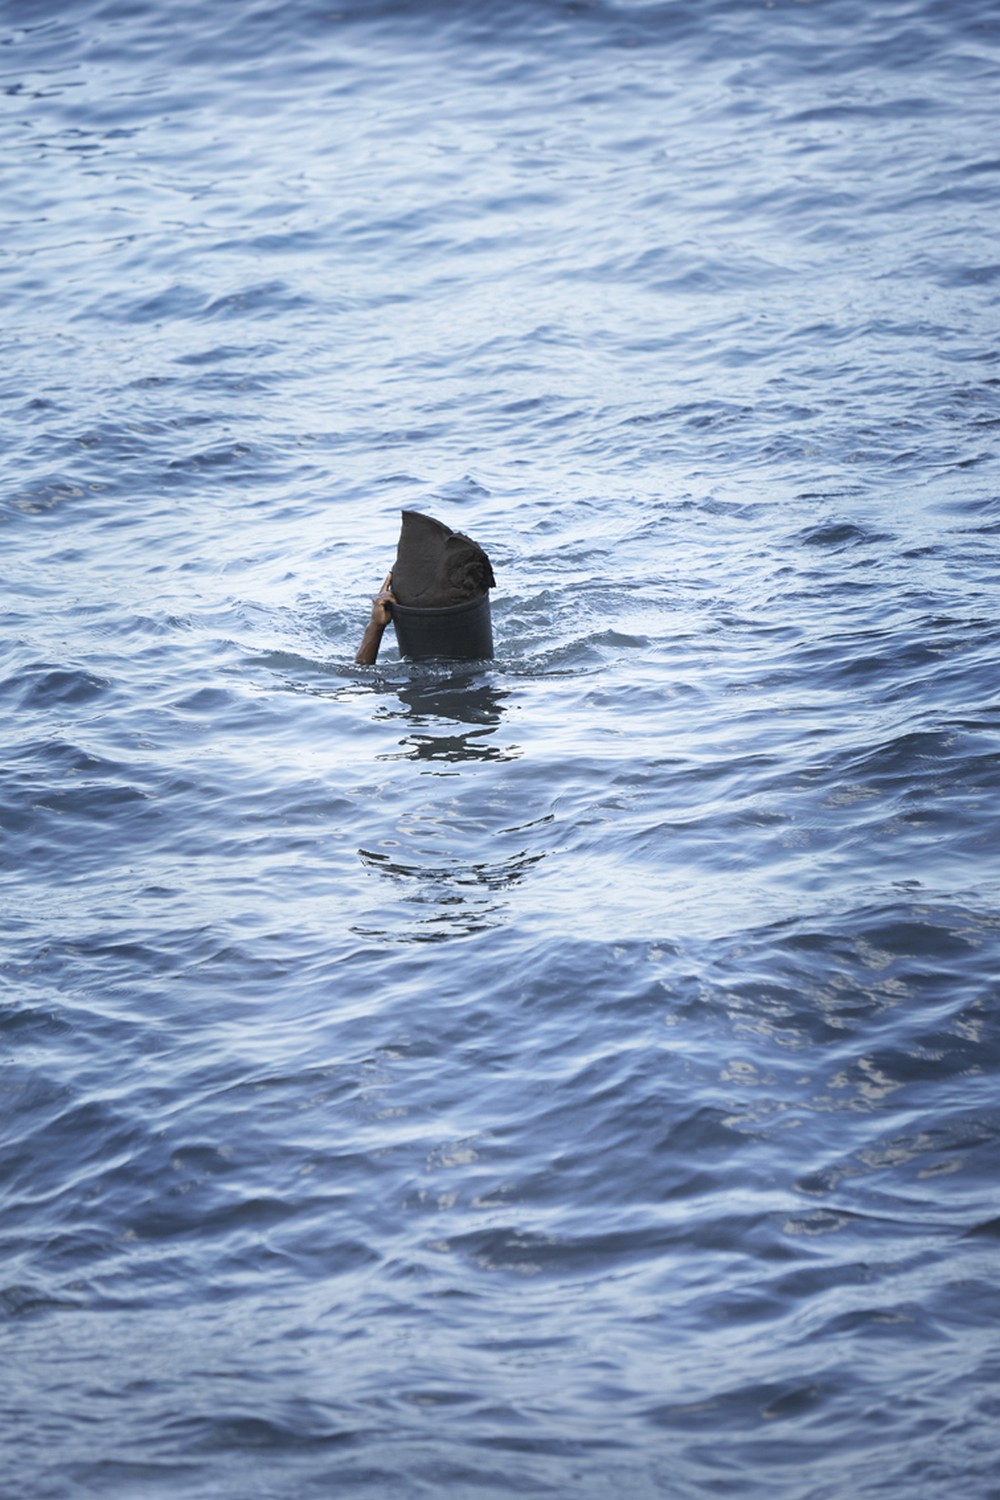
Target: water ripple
577, 1070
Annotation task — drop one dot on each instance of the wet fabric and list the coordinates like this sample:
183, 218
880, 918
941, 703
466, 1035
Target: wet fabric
436, 567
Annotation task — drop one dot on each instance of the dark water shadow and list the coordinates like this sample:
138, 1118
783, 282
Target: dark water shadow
438, 902
447, 876
450, 719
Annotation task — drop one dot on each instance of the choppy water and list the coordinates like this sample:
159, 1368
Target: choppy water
572, 1075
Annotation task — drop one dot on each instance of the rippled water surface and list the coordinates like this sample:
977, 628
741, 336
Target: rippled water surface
575, 1074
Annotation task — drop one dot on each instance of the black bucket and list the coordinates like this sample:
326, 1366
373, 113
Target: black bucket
461, 632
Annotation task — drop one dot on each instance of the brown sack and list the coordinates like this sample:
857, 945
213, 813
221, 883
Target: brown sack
436, 567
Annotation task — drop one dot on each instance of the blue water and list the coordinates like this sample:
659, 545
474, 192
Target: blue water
572, 1075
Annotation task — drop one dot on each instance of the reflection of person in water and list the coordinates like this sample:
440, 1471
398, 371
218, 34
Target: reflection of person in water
451, 720
380, 616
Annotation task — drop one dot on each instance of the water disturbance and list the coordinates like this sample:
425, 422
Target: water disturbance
571, 1074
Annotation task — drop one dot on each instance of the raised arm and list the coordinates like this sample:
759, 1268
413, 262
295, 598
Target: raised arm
381, 613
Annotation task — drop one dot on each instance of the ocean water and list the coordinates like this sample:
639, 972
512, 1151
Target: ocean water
568, 1075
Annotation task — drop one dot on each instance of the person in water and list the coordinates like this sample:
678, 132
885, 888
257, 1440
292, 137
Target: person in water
380, 617
436, 572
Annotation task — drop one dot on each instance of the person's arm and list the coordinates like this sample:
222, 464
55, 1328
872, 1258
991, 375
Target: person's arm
372, 638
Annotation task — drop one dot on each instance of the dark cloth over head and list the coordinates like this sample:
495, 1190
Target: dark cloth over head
436, 567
